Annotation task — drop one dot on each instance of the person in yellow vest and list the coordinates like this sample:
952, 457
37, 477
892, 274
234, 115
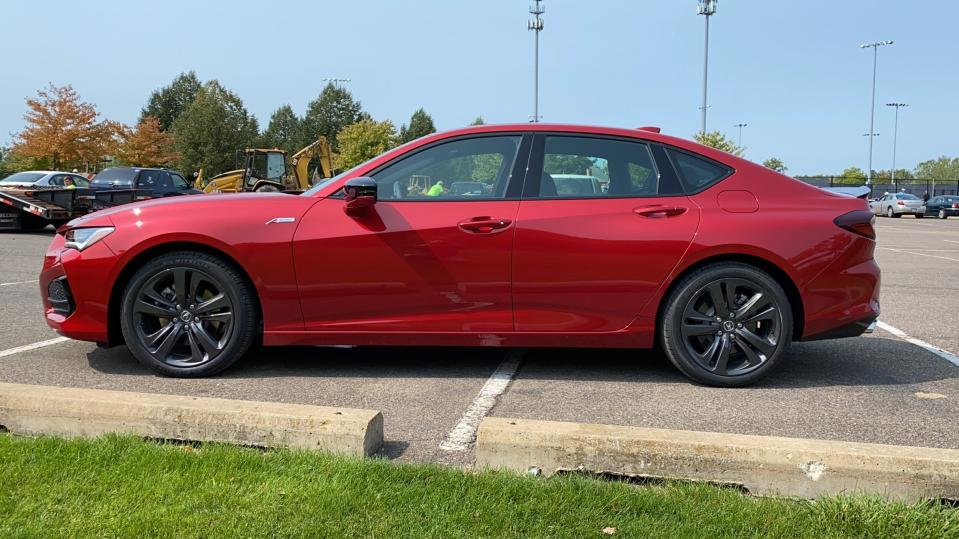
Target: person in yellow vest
436, 190
68, 183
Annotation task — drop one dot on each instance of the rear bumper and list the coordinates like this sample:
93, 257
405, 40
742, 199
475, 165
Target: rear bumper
853, 329
842, 303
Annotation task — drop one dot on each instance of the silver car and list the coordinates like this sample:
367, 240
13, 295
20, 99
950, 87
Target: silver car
899, 204
49, 179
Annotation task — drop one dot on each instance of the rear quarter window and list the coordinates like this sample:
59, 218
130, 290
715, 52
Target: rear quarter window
697, 173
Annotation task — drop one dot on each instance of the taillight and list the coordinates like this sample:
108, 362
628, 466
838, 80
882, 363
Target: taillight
900, 203
858, 222
956, 205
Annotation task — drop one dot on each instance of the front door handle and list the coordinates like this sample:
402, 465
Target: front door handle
658, 211
484, 225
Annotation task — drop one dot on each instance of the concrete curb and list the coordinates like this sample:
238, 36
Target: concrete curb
70, 412
765, 465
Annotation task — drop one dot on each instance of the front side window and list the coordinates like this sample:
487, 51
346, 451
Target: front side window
583, 167
178, 181
697, 173
466, 169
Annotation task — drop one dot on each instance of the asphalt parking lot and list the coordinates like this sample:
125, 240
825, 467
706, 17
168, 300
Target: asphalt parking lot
880, 388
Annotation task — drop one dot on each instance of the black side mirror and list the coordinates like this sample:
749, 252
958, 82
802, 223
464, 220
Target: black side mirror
360, 196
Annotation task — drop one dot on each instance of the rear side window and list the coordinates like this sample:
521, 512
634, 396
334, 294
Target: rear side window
115, 176
586, 167
697, 173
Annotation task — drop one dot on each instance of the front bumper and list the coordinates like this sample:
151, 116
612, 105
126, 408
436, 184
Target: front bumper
75, 296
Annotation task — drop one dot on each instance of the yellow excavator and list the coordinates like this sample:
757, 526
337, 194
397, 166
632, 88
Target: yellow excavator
269, 170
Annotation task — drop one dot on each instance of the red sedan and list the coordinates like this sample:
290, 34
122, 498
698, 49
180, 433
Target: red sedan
518, 235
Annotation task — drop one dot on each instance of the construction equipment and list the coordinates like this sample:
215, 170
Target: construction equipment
269, 170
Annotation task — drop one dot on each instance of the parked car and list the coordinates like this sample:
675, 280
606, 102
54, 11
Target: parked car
577, 184
721, 261
44, 179
943, 206
160, 182
899, 204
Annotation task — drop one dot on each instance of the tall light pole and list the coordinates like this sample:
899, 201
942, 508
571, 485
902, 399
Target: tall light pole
708, 9
872, 107
337, 82
740, 126
895, 134
536, 25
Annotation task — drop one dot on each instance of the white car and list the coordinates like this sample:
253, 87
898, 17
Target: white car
899, 204
50, 179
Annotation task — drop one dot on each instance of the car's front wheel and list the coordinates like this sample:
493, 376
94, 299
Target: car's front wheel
726, 324
188, 314
942, 214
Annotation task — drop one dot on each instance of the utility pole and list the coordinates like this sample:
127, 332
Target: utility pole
895, 135
536, 25
708, 9
872, 107
740, 126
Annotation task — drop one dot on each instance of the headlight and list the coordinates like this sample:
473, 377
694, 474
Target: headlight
81, 238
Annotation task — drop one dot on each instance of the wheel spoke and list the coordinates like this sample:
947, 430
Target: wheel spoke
721, 356
765, 314
207, 342
196, 354
751, 305
718, 298
225, 316
165, 339
218, 301
180, 278
164, 310
698, 330
752, 358
761, 344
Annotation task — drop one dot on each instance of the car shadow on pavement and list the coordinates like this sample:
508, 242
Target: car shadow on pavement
846, 362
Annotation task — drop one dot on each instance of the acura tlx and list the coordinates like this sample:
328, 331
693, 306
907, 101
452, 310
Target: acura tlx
527, 235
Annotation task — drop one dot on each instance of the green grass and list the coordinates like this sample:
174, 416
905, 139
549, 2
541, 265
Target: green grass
126, 487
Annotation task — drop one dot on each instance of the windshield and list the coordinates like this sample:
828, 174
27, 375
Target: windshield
328, 181
23, 177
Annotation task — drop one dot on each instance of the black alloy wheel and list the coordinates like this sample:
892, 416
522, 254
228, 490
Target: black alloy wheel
188, 314
727, 324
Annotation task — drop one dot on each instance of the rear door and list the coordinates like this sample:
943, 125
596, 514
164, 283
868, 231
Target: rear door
433, 253
589, 262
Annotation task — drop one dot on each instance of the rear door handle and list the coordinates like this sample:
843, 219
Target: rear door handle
658, 211
484, 225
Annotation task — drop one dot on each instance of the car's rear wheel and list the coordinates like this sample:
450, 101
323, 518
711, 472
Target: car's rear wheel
919, 216
726, 324
188, 314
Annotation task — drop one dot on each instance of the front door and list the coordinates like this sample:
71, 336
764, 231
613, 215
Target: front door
432, 255
597, 234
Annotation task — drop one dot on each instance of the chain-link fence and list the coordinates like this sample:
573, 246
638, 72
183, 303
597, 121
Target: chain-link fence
916, 186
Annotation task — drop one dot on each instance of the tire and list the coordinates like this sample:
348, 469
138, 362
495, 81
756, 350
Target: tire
919, 216
197, 332
32, 222
754, 341
942, 214
889, 212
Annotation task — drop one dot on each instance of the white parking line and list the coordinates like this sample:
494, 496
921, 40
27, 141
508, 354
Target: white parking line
908, 252
18, 282
24, 348
463, 434
951, 241
948, 356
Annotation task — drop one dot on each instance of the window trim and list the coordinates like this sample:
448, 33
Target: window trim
515, 182
682, 177
538, 158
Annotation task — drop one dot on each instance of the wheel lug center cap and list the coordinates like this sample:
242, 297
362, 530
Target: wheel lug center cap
728, 325
186, 316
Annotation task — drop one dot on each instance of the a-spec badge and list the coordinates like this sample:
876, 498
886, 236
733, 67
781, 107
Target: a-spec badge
281, 220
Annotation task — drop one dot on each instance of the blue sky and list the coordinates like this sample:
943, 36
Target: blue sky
792, 70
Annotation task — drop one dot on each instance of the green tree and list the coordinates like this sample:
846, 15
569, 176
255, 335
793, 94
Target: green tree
364, 140
941, 169
167, 103
284, 131
211, 129
853, 173
329, 113
716, 139
776, 164
478, 121
567, 164
421, 124
886, 175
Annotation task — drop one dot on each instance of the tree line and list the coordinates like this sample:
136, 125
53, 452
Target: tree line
191, 125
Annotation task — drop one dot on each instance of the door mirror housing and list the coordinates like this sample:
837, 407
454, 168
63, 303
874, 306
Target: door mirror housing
360, 195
